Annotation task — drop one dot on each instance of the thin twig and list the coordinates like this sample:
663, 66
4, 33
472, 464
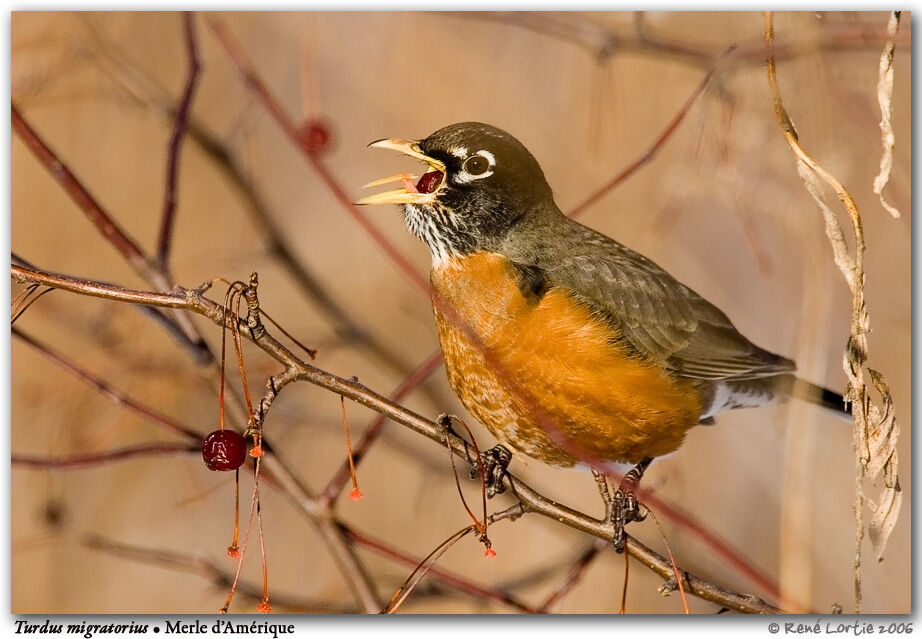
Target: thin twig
27, 301
454, 581
427, 564
176, 138
675, 568
573, 575
210, 571
154, 313
107, 390
420, 571
647, 156
95, 459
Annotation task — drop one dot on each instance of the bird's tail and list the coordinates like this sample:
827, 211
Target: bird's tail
826, 398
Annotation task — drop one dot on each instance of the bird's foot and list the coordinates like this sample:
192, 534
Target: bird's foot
495, 462
625, 508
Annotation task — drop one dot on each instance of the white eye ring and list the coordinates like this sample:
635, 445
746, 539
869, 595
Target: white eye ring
464, 177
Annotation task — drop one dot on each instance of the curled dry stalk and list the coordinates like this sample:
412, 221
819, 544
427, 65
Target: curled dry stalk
885, 99
876, 430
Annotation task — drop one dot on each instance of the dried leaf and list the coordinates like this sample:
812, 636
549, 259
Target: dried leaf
833, 229
885, 99
883, 429
884, 432
884, 514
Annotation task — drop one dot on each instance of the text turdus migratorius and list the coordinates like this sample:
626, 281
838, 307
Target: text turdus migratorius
565, 344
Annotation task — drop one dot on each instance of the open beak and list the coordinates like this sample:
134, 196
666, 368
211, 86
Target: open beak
409, 194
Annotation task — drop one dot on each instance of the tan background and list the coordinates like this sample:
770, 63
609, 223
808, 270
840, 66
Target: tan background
721, 207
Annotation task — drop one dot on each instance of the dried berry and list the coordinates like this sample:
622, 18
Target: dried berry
429, 182
224, 450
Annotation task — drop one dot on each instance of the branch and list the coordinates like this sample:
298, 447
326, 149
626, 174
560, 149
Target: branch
297, 369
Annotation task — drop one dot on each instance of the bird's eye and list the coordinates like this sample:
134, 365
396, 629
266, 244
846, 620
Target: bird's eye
476, 165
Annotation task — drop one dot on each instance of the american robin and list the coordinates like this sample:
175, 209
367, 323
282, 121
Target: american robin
568, 346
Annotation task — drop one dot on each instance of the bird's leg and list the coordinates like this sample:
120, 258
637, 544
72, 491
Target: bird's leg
601, 480
625, 508
495, 462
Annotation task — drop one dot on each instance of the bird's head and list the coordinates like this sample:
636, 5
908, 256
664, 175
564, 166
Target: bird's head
479, 183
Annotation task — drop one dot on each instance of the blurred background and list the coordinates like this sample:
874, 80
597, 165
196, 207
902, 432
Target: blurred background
720, 206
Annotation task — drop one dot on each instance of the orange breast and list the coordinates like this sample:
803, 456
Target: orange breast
527, 368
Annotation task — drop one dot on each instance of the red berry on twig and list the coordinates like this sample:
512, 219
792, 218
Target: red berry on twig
316, 135
224, 450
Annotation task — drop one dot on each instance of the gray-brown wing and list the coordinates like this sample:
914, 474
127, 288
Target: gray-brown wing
658, 316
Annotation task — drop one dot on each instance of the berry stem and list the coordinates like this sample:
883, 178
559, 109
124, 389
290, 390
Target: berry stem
356, 494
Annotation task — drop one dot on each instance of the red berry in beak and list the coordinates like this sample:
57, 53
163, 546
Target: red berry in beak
429, 182
224, 450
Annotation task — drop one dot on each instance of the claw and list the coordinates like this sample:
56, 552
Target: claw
495, 462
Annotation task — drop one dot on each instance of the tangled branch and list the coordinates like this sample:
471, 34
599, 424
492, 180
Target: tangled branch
296, 370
